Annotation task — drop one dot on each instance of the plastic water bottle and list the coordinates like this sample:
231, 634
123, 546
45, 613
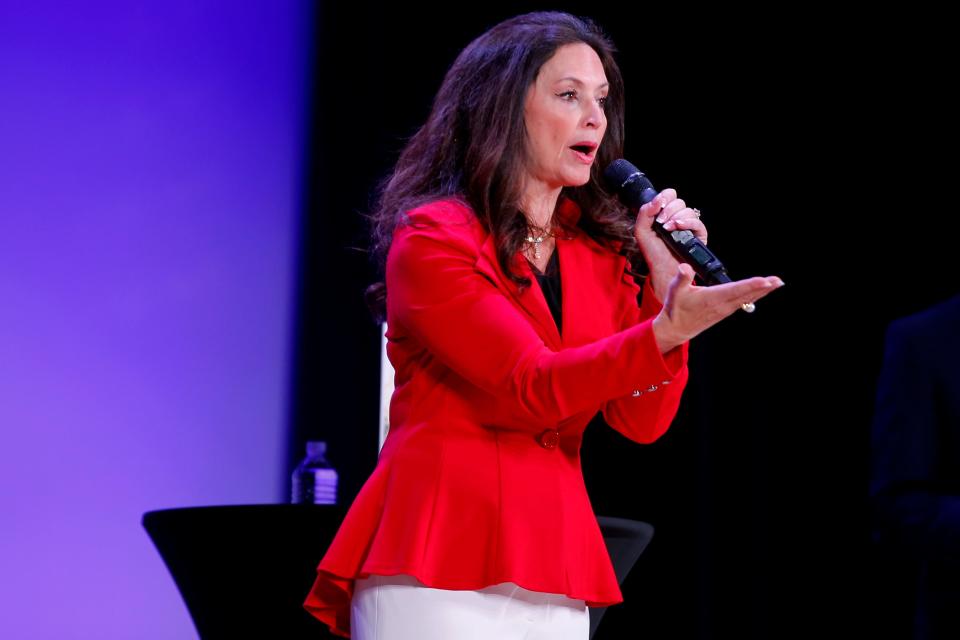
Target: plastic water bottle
314, 479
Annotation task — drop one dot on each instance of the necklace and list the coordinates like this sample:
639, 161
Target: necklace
538, 240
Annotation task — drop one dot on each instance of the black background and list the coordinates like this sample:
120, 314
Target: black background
820, 150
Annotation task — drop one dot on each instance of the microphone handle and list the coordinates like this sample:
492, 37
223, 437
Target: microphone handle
688, 248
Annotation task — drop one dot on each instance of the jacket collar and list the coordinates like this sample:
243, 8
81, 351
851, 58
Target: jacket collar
531, 300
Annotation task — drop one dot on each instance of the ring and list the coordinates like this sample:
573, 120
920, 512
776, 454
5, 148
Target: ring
696, 211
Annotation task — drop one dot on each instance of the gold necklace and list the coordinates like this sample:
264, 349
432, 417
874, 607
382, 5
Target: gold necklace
537, 241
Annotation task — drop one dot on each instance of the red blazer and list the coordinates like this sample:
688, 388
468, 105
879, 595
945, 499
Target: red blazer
479, 479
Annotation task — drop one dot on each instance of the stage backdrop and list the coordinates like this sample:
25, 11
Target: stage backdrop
149, 181
803, 139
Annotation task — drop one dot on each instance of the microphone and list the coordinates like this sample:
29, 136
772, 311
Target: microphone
636, 190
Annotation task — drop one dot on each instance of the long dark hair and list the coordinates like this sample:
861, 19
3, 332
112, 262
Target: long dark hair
473, 145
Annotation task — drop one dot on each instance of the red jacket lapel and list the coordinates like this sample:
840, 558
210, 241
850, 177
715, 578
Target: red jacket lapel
530, 300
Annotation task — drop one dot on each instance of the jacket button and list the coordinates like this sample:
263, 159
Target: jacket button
549, 439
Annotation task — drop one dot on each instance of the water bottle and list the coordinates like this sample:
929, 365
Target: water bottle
314, 479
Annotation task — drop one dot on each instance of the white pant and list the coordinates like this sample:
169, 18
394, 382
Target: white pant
402, 608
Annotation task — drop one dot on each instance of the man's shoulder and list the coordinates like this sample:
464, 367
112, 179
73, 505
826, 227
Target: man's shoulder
930, 325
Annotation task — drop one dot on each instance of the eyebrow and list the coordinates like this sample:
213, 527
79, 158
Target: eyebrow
578, 81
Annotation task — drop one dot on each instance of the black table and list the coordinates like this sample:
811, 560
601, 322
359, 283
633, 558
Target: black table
244, 571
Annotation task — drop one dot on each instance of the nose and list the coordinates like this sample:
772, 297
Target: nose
594, 116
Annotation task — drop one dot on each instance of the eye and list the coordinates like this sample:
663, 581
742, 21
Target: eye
602, 101
569, 95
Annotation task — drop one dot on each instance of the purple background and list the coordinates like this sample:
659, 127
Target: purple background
150, 167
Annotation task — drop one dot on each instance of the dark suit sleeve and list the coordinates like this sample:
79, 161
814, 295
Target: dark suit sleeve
913, 507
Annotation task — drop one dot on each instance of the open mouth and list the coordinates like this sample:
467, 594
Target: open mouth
584, 151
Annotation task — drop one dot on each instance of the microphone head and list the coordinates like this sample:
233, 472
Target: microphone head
618, 171
634, 188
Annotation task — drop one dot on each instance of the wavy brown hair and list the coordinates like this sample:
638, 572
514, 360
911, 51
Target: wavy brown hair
473, 144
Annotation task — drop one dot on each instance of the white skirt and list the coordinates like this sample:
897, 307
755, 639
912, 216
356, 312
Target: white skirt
402, 608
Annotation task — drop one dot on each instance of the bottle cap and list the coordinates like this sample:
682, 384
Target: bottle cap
316, 448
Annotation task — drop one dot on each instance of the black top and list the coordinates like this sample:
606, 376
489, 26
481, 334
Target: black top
550, 285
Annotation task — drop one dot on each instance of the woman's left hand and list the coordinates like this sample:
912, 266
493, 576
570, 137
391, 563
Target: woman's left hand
674, 214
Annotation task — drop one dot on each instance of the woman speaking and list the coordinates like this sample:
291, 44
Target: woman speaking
513, 317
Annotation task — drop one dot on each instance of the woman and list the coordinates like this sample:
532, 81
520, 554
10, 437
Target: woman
513, 318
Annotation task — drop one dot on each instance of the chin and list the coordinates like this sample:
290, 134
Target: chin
578, 181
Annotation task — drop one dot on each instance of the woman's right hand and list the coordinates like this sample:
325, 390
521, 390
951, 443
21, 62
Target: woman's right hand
689, 309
